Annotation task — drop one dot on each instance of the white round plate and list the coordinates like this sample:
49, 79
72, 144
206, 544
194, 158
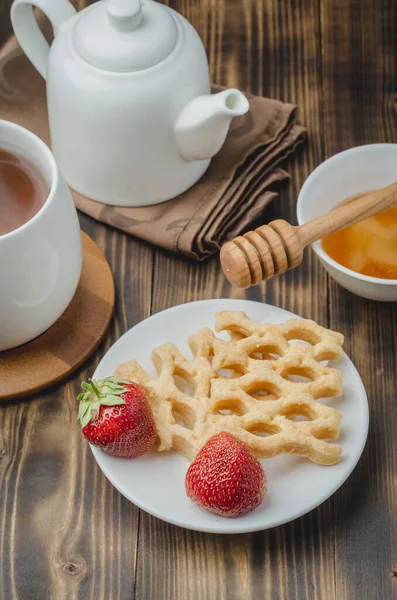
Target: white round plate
155, 481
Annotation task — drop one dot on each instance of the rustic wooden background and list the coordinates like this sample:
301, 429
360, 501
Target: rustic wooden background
65, 533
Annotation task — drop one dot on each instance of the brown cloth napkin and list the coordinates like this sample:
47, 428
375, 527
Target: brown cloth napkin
224, 203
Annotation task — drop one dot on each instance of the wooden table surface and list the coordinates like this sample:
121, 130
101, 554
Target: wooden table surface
65, 532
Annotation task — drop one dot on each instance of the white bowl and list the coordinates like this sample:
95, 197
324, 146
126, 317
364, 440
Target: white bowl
348, 173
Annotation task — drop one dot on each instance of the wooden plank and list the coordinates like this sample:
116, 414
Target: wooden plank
359, 82
65, 532
5, 22
70, 516
271, 48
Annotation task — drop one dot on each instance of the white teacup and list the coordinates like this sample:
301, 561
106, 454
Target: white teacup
40, 262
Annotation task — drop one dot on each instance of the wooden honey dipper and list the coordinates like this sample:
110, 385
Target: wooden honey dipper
274, 248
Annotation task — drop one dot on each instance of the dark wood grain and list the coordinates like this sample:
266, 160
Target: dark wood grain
295, 561
64, 531
5, 23
359, 50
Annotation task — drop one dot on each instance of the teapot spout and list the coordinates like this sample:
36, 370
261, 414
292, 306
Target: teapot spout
202, 125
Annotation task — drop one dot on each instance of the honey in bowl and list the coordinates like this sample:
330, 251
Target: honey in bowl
369, 247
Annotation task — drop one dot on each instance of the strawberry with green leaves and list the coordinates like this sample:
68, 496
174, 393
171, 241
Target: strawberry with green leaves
116, 417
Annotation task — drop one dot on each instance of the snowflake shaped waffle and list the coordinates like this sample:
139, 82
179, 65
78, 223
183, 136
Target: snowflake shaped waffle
251, 386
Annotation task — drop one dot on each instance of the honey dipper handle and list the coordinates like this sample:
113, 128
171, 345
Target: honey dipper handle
352, 212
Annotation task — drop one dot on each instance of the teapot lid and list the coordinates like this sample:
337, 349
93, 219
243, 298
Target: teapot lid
125, 35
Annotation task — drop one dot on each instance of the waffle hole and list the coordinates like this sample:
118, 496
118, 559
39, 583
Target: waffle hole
183, 415
183, 384
302, 335
264, 391
263, 429
236, 336
297, 417
266, 353
230, 407
232, 373
298, 414
299, 375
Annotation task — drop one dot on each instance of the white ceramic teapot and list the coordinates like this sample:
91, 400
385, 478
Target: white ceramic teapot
132, 120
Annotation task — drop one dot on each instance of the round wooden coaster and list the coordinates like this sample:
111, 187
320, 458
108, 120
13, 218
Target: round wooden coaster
68, 343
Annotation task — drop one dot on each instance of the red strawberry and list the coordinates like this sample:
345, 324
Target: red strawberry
116, 417
225, 477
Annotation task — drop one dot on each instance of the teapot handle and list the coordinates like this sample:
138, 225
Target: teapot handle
28, 33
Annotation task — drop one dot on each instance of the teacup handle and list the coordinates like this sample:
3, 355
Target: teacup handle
28, 33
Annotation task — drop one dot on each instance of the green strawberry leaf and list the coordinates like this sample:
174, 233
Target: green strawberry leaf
84, 408
85, 418
112, 400
101, 392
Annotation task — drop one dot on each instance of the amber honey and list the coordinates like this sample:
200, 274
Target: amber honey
369, 247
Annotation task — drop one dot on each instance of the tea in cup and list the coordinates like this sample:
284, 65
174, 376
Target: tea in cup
40, 242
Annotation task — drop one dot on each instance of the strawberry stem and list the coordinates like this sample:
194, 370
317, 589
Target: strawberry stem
99, 392
94, 387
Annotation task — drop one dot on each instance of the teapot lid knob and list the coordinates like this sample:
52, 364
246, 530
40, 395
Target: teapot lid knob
124, 15
125, 36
